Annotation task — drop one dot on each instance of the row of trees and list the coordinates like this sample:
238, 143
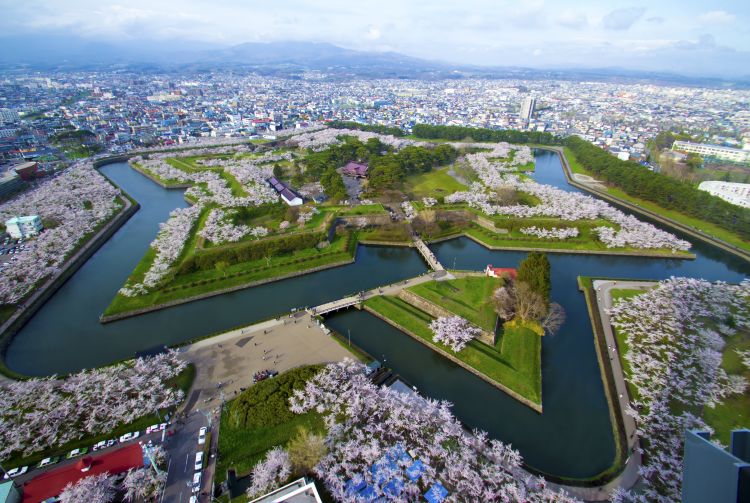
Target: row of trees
248, 251
460, 133
638, 181
373, 128
322, 165
389, 170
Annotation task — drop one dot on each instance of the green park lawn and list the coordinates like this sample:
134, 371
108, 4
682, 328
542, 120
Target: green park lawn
734, 412
468, 297
435, 183
695, 223
259, 419
514, 361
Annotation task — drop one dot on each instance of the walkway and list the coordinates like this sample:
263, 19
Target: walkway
430, 257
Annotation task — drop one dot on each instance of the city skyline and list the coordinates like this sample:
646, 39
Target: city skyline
690, 38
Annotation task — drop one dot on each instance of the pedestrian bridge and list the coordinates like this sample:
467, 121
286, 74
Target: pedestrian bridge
430, 257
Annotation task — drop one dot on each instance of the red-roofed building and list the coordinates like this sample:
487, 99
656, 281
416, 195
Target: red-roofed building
355, 169
53, 482
499, 272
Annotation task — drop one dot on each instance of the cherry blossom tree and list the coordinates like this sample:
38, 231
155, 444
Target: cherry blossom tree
454, 331
40, 413
400, 445
675, 354
270, 473
93, 489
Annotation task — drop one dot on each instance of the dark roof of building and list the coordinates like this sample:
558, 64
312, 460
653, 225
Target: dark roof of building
355, 168
283, 189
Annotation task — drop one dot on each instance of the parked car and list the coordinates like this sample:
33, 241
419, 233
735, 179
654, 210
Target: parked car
130, 436
197, 482
48, 461
193, 499
262, 375
99, 445
198, 461
111, 442
15, 472
77, 452
202, 435
152, 428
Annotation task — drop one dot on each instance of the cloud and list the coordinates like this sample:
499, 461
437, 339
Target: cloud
570, 19
622, 19
716, 17
655, 19
373, 33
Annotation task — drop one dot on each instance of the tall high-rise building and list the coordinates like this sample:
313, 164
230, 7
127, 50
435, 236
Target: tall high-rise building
527, 107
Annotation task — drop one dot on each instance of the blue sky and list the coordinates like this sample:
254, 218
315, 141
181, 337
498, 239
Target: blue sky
710, 38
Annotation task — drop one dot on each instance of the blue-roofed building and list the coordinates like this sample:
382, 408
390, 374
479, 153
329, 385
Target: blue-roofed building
713, 474
436, 494
415, 471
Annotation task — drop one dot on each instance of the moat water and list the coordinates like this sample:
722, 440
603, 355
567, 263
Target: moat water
572, 438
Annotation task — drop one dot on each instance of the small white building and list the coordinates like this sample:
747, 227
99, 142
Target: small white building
735, 193
23, 227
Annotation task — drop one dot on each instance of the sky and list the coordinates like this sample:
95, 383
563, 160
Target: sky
686, 36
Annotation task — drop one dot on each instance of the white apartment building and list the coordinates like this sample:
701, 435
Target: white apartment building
527, 108
717, 151
735, 193
23, 227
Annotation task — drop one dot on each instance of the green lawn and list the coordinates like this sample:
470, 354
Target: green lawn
259, 419
696, 223
469, 297
191, 285
514, 362
435, 183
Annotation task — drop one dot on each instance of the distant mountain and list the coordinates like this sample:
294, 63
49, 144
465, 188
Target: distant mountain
288, 59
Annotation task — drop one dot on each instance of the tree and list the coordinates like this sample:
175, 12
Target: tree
221, 267
455, 332
278, 171
530, 305
94, 489
305, 451
554, 318
504, 302
535, 271
270, 473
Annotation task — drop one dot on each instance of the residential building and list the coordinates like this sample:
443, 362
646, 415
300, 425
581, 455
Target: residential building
355, 169
27, 170
527, 108
10, 183
499, 272
9, 493
299, 491
23, 227
716, 151
287, 194
8, 115
713, 474
735, 193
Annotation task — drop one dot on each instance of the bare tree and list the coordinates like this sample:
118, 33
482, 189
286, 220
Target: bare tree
530, 305
504, 301
554, 318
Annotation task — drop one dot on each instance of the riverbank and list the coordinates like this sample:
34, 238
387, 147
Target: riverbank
31, 305
641, 209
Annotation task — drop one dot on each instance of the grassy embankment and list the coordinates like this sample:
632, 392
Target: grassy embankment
514, 361
689, 221
468, 297
183, 382
734, 412
435, 183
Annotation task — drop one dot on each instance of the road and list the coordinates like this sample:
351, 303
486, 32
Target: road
181, 448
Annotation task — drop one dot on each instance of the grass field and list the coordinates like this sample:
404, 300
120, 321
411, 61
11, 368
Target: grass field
734, 412
435, 183
468, 297
695, 223
259, 419
514, 361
